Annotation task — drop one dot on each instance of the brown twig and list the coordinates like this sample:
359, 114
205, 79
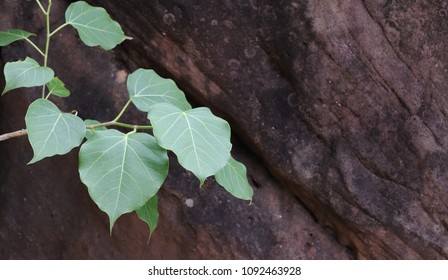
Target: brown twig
10, 135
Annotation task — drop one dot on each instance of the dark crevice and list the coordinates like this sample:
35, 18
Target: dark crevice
308, 210
397, 53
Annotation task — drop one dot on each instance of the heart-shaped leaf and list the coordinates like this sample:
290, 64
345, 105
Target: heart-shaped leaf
149, 213
50, 131
94, 25
27, 73
122, 171
57, 87
200, 140
233, 178
9, 36
146, 88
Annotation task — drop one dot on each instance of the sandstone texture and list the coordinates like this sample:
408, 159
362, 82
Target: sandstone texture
338, 108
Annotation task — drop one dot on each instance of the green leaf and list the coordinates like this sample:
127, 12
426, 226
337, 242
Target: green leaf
233, 178
57, 87
149, 213
200, 140
146, 88
94, 25
27, 73
122, 171
90, 132
9, 36
50, 131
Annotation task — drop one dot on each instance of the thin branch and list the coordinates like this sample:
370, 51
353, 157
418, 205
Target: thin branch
47, 43
125, 125
14, 134
23, 132
41, 7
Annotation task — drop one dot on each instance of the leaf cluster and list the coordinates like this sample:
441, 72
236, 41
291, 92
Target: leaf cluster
122, 171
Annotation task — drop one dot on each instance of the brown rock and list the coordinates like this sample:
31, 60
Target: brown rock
344, 101
45, 211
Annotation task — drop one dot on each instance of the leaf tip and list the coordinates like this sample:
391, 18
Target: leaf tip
5, 90
128, 38
149, 237
33, 160
111, 225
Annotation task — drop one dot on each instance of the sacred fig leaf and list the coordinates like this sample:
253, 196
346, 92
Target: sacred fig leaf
122, 171
94, 25
50, 131
149, 213
9, 36
200, 140
147, 88
233, 178
27, 73
57, 87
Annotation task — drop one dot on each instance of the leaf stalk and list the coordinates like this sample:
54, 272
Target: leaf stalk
58, 29
122, 111
35, 47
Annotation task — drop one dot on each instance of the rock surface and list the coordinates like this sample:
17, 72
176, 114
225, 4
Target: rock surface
45, 211
344, 101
